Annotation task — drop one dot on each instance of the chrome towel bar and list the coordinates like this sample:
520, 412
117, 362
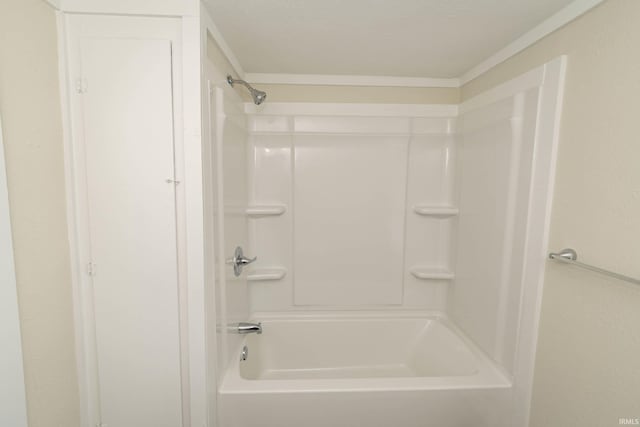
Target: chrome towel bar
570, 256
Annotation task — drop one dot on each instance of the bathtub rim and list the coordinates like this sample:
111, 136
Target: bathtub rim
489, 375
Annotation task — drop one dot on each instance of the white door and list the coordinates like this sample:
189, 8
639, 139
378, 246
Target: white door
129, 155
13, 409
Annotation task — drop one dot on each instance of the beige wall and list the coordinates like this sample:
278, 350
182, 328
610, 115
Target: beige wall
30, 110
588, 361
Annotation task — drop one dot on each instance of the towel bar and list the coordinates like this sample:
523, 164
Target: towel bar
570, 256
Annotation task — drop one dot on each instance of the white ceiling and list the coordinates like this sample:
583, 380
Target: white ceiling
404, 38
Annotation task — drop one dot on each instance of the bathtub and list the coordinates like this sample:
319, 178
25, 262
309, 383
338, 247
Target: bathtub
358, 369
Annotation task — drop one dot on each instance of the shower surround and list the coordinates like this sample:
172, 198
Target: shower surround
400, 256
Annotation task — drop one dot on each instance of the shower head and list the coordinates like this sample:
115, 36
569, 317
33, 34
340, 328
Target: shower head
257, 95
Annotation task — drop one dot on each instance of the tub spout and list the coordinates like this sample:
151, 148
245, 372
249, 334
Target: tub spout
246, 328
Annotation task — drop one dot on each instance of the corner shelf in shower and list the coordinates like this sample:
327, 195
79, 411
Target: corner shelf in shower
265, 210
436, 211
432, 273
266, 274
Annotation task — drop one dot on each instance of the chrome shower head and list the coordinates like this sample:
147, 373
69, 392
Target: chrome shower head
257, 95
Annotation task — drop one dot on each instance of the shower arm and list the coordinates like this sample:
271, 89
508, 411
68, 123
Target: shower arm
257, 95
233, 81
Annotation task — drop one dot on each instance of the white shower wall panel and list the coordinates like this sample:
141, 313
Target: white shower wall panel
495, 156
430, 183
234, 198
346, 235
349, 196
271, 237
225, 189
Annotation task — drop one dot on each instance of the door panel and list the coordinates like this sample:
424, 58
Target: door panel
129, 150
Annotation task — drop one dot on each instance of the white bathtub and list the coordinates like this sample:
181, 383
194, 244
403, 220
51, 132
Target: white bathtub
362, 370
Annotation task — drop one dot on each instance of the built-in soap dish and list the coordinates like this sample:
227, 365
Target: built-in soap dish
265, 210
436, 211
266, 274
432, 273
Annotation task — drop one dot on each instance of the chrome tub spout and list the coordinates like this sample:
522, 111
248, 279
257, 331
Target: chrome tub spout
246, 328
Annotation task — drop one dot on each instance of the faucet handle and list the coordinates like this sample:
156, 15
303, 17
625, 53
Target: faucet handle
246, 261
239, 261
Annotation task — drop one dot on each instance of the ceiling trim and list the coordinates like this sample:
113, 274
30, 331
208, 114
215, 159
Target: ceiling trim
345, 80
546, 27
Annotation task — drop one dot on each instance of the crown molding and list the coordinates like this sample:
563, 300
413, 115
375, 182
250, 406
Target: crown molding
346, 80
546, 27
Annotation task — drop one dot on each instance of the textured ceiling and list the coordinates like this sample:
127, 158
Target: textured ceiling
416, 38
